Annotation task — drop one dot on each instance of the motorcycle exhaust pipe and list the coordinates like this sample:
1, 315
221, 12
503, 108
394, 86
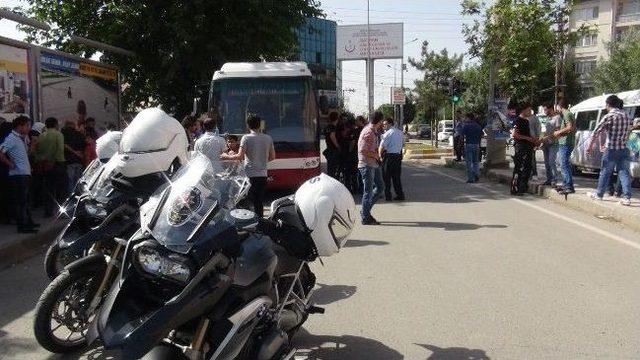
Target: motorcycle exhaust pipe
272, 343
290, 319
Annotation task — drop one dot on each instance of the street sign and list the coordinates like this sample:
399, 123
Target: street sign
398, 97
385, 41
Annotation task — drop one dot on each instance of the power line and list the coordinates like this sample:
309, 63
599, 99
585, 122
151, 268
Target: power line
396, 11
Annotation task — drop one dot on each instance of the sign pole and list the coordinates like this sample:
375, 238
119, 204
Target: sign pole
369, 68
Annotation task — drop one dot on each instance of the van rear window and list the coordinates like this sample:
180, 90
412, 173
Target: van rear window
586, 120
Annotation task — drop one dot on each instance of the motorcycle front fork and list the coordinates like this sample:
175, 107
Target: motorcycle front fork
111, 266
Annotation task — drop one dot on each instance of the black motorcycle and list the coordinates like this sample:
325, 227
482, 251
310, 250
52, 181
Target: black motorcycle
83, 259
204, 280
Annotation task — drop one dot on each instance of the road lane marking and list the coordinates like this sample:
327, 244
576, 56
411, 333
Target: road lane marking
607, 234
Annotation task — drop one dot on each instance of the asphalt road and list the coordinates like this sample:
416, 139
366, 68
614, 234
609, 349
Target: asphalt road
456, 272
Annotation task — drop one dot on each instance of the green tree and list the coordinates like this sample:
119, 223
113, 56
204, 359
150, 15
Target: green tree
621, 71
523, 38
432, 98
386, 110
178, 44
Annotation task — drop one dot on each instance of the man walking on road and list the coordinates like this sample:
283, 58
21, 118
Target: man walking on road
391, 154
256, 149
472, 133
369, 167
566, 136
550, 145
617, 125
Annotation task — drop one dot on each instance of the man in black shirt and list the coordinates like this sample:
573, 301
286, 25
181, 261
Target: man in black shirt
524, 144
332, 153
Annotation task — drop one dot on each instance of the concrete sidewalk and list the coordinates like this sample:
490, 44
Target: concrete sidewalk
609, 208
15, 247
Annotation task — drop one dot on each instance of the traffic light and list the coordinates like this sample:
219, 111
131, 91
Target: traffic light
456, 90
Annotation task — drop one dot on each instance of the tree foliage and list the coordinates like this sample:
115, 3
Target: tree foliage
178, 44
432, 98
523, 38
621, 71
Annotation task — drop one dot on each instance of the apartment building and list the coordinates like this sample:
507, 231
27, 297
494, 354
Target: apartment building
608, 20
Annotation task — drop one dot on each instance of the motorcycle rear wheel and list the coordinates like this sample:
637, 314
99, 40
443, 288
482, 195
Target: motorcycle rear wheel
62, 305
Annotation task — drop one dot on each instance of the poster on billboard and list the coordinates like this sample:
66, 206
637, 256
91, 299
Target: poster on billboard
15, 90
75, 90
385, 41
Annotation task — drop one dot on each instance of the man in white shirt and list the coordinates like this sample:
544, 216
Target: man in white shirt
210, 143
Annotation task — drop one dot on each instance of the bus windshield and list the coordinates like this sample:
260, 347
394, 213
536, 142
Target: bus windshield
285, 105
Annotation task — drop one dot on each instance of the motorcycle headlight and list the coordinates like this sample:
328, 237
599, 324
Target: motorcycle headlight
95, 210
172, 266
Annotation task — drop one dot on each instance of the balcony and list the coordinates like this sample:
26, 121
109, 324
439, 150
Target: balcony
628, 18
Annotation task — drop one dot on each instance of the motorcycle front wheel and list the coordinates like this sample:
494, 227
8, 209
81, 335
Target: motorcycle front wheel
56, 259
61, 320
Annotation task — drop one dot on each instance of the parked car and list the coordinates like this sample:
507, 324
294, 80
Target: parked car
424, 132
445, 130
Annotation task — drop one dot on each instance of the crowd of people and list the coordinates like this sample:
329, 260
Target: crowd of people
40, 165
559, 141
366, 158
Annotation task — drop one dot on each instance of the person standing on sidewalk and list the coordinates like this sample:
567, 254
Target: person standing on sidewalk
369, 168
617, 126
256, 149
50, 160
472, 133
14, 154
536, 133
524, 144
458, 141
74, 145
550, 145
391, 153
566, 136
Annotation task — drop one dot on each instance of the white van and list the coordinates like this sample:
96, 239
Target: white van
445, 130
588, 114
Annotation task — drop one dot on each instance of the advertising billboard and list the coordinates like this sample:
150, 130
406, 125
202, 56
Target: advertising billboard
385, 41
73, 89
15, 90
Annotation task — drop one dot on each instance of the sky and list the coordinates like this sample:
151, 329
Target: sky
437, 21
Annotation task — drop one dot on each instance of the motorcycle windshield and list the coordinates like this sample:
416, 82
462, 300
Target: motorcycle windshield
100, 186
196, 196
89, 174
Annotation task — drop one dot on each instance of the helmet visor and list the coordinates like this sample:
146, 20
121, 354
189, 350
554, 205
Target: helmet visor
339, 229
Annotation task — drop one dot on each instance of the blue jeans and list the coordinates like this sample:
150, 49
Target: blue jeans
550, 153
472, 158
615, 159
565, 166
372, 188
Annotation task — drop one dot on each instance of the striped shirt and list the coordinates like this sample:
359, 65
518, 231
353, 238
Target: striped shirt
617, 125
367, 144
15, 148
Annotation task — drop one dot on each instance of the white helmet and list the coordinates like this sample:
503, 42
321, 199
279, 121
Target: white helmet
107, 145
151, 143
328, 210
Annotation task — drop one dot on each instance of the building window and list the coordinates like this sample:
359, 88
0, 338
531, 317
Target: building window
585, 14
585, 66
629, 7
587, 40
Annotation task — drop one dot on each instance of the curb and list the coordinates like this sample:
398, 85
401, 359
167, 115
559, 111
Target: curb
576, 201
26, 247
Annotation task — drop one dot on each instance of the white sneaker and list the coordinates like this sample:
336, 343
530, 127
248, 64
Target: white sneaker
593, 196
625, 202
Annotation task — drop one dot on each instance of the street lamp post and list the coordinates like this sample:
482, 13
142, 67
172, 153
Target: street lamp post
403, 68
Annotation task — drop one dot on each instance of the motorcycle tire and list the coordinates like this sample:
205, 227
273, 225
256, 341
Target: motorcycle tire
49, 300
51, 261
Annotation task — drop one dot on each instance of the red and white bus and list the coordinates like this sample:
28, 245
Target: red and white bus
282, 95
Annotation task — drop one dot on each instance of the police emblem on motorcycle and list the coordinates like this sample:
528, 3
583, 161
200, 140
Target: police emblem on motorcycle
184, 205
